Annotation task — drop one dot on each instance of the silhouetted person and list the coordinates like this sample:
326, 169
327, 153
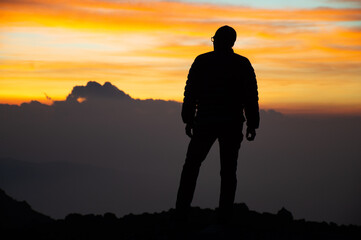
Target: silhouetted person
221, 86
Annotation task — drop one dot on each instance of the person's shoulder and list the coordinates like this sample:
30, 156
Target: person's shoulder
205, 56
241, 58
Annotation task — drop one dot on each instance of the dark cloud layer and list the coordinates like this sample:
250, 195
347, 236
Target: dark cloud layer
94, 91
114, 153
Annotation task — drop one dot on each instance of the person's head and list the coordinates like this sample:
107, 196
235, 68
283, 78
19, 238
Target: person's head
224, 38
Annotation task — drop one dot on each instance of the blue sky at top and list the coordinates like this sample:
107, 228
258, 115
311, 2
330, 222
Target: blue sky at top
285, 3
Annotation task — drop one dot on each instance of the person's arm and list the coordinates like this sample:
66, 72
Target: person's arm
190, 98
251, 107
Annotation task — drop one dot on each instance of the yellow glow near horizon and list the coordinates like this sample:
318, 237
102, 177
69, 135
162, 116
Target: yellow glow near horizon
306, 60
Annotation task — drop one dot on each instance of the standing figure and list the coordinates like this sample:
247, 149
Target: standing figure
220, 95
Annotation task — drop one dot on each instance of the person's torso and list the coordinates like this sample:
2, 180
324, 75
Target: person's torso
220, 84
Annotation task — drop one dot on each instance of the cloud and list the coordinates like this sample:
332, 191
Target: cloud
125, 155
47, 97
94, 90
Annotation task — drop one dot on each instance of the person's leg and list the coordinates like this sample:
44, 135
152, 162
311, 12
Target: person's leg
198, 149
229, 144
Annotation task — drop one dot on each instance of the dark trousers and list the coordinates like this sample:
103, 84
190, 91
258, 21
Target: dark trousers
229, 137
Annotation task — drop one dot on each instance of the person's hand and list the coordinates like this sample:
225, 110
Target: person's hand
189, 130
251, 134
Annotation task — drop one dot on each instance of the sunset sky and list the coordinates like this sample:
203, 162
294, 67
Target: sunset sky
306, 54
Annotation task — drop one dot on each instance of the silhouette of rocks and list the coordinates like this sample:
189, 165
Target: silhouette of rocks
15, 214
246, 224
285, 215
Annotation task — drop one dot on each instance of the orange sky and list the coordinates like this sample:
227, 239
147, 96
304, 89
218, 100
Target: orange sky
306, 60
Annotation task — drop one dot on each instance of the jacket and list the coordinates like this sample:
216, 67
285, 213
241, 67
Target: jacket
221, 88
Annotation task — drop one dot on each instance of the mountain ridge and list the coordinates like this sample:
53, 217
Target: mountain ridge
246, 224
